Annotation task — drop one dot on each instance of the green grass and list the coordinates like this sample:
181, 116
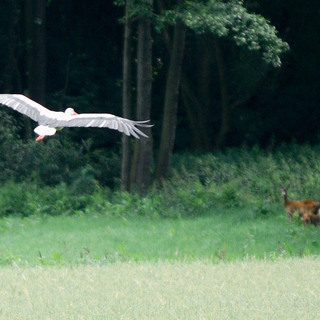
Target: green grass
222, 235
214, 242
284, 289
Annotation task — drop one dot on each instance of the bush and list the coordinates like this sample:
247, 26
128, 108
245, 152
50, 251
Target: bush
198, 185
53, 161
245, 177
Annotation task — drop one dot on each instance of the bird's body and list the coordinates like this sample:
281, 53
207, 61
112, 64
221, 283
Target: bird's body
49, 120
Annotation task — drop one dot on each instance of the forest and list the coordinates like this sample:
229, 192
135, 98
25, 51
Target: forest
189, 223
209, 74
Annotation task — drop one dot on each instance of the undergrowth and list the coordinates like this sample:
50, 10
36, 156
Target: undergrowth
236, 178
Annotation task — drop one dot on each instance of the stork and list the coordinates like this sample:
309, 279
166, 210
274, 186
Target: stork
49, 120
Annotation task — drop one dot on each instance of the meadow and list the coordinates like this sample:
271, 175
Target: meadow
224, 236
284, 289
214, 242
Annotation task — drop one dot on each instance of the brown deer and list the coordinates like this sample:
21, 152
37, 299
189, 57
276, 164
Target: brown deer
311, 218
308, 210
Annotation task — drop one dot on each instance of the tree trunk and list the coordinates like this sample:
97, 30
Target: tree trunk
142, 160
169, 122
11, 74
35, 11
126, 100
225, 104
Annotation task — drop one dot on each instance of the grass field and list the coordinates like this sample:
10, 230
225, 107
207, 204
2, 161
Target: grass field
223, 235
213, 243
284, 289
229, 264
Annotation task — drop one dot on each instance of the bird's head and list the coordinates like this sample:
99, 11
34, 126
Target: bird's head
70, 112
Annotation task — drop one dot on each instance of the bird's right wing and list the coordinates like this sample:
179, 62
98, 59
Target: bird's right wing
24, 105
105, 120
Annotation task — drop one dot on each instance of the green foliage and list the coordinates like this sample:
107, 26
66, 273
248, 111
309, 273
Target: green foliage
222, 18
239, 178
55, 161
47, 163
137, 8
231, 19
236, 178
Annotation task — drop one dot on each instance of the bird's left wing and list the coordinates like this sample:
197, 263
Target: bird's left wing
23, 105
105, 120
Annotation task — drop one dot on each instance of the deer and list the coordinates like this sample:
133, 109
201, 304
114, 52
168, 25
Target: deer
308, 210
311, 218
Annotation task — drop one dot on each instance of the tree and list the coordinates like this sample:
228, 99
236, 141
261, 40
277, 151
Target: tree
9, 44
142, 159
222, 19
169, 122
126, 98
246, 29
35, 11
232, 20
35, 17
136, 173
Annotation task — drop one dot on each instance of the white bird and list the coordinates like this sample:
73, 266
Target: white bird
49, 120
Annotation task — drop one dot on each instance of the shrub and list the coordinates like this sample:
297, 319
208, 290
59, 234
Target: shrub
245, 177
198, 183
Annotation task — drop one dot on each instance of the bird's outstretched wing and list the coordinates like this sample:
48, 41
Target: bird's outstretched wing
105, 120
24, 105
53, 119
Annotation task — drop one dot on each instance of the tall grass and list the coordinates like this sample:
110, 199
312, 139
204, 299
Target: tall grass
286, 289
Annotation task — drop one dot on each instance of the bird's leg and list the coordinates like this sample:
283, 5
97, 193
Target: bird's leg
40, 138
